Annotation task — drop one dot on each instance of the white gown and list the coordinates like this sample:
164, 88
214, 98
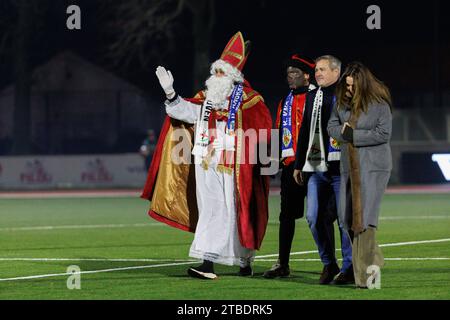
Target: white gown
216, 236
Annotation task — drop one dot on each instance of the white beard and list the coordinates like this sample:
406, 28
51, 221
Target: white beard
218, 89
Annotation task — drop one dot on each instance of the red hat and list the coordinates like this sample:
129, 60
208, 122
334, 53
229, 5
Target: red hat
236, 51
305, 64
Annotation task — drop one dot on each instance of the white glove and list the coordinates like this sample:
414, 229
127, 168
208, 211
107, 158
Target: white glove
223, 142
166, 81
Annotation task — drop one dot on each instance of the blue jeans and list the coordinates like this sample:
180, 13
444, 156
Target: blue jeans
321, 215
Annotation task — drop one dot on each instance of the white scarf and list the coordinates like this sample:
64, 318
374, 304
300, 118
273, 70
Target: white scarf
202, 130
314, 162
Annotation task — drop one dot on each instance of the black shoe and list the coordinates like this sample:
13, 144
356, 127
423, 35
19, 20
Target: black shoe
344, 278
245, 272
277, 270
196, 272
203, 271
328, 273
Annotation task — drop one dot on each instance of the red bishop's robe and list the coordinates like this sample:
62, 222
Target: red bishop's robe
171, 187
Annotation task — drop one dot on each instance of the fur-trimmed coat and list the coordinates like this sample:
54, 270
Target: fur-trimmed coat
371, 138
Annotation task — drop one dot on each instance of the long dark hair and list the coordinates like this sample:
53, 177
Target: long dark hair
366, 88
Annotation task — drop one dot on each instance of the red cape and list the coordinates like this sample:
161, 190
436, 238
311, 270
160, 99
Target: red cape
252, 189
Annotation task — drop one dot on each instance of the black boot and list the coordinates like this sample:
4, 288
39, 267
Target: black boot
285, 237
328, 273
347, 277
277, 270
203, 271
245, 271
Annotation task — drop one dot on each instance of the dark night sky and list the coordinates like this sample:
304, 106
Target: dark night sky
398, 53
401, 53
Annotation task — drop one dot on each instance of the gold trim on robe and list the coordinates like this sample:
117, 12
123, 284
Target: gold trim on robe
174, 197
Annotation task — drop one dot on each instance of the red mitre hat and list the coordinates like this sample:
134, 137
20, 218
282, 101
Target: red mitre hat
236, 51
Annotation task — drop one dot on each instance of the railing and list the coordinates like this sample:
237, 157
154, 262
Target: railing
84, 122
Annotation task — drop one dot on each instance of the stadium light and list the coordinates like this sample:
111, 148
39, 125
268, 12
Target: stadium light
443, 160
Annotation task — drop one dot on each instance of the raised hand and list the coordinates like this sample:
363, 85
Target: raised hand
166, 81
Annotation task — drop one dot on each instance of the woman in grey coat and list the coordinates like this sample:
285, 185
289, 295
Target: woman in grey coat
361, 122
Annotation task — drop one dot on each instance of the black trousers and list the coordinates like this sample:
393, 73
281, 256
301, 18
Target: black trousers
292, 208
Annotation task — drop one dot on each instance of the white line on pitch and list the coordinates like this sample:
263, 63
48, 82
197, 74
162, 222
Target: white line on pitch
292, 253
183, 263
389, 218
396, 244
188, 262
92, 259
415, 217
139, 225
416, 259
64, 195
184, 260
387, 259
82, 226
156, 260
96, 271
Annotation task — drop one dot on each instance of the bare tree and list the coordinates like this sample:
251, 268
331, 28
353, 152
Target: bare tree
147, 30
14, 43
18, 20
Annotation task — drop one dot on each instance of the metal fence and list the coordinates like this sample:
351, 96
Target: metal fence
84, 122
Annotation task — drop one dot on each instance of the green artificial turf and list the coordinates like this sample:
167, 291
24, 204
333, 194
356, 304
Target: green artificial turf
103, 228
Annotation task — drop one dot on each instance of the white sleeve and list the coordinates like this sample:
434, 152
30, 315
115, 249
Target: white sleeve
183, 110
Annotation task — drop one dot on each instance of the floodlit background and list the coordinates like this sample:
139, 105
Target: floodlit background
76, 106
